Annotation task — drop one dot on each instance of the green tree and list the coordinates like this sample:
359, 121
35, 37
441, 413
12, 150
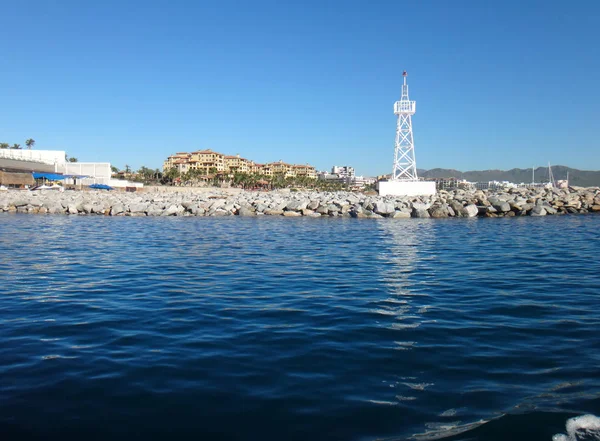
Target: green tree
127, 169
170, 175
278, 180
16, 146
4, 145
30, 143
73, 159
114, 169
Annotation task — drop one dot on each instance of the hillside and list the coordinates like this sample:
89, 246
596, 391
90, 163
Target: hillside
583, 178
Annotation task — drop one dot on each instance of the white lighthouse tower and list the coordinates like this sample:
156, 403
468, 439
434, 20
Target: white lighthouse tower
405, 165
404, 179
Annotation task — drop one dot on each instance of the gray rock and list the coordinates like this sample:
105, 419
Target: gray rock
438, 211
245, 211
538, 211
138, 208
420, 213
470, 210
171, 211
273, 212
501, 206
384, 208
296, 205
313, 205
117, 209
401, 215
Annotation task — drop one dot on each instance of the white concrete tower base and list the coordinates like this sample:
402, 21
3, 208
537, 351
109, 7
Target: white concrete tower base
406, 188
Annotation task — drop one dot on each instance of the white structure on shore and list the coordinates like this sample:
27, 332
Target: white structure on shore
345, 175
94, 172
343, 171
404, 179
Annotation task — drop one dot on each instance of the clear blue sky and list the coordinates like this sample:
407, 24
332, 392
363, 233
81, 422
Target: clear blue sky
498, 84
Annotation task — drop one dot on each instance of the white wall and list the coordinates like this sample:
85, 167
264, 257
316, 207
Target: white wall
43, 156
97, 172
406, 188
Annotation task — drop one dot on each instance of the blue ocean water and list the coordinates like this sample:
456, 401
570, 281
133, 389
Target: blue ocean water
297, 329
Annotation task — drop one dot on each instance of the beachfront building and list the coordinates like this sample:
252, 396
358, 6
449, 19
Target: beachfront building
54, 162
280, 168
307, 171
208, 162
256, 168
178, 161
236, 164
345, 175
345, 172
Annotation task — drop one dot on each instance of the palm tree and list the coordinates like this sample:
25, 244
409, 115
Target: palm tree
114, 169
171, 174
30, 143
16, 146
4, 145
73, 159
127, 169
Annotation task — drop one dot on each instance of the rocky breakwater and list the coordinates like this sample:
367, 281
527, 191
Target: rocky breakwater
458, 203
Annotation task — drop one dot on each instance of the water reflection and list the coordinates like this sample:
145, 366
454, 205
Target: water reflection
406, 302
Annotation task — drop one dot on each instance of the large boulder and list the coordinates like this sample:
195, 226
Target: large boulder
271, 212
384, 208
470, 210
457, 207
245, 211
538, 211
138, 208
313, 205
401, 215
296, 205
420, 213
501, 206
117, 209
438, 211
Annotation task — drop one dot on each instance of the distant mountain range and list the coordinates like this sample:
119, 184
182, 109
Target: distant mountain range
581, 178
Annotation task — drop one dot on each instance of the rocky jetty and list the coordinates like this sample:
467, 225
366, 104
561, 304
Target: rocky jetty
217, 202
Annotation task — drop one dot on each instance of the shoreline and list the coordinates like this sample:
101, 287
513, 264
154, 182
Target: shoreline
215, 202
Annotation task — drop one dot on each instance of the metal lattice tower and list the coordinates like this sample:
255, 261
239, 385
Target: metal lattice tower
405, 165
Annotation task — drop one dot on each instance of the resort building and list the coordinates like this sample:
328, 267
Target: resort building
176, 159
280, 168
208, 162
235, 164
345, 172
305, 170
345, 175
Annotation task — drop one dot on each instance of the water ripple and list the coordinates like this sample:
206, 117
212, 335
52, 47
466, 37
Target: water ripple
316, 329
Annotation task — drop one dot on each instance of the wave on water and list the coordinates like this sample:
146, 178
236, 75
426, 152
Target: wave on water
536, 426
581, 428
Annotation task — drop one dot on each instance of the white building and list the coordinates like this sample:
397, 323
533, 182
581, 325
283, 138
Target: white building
345, 172
50, 157
94, 172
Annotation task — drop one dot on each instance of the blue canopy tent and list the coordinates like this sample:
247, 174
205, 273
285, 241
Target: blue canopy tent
56, 176
49, 176
101, 187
